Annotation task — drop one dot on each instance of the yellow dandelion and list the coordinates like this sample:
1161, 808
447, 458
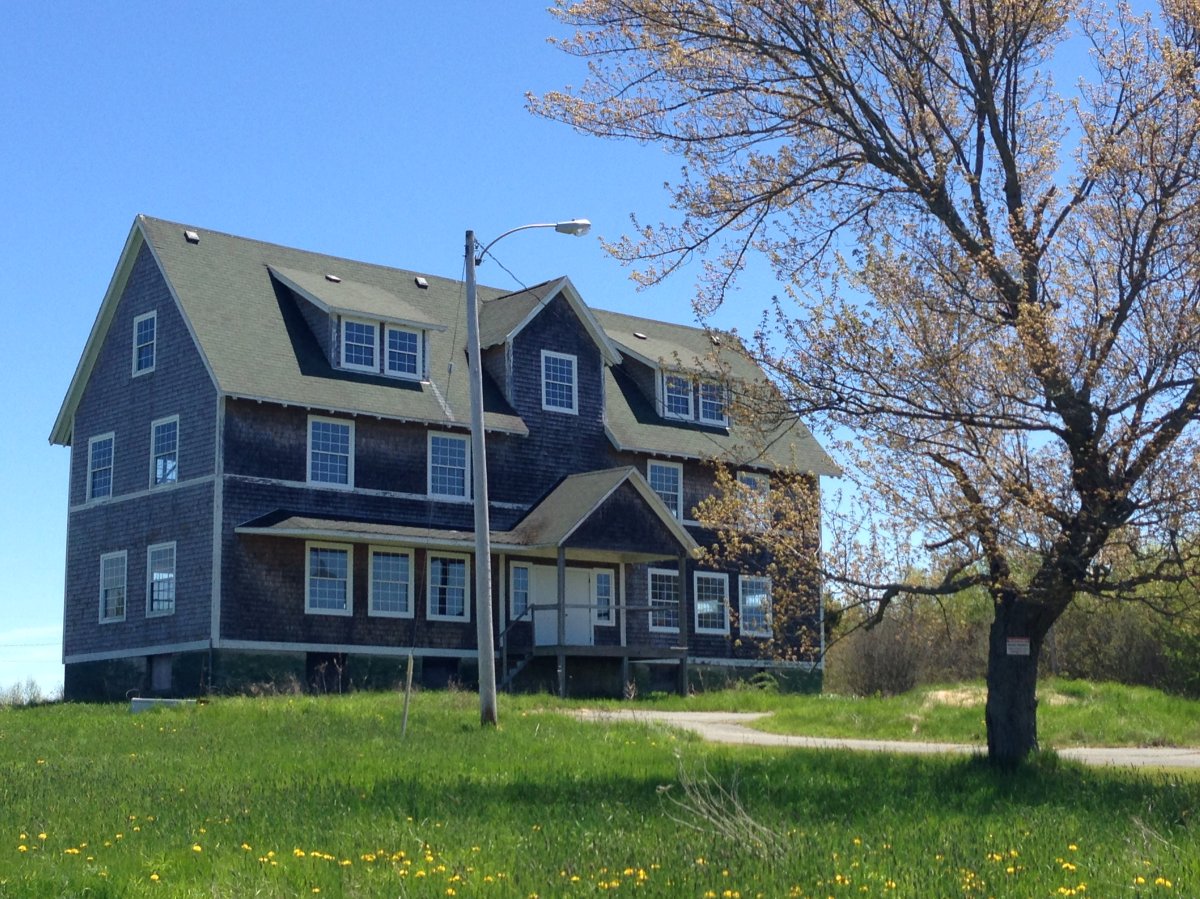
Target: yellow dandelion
196, 847
42, 836
154, 877
22, 848
246, 846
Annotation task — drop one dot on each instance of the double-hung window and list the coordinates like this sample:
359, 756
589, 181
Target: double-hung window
390, 590
677, 396
602, 596
756, 499
519, 591
666, 479
560, 390
664, 600
164, 451
100, 467
712, 602
755, 594
402, 354
330, 451
145, 332
360, 341
160, 579
112, 587
713, 400
447, 588
328, 579
448, 464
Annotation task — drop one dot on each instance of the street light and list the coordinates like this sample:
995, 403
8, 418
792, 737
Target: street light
483, 549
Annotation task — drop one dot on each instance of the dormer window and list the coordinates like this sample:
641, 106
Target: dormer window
713, 400
403, 355
360, 341
677, 396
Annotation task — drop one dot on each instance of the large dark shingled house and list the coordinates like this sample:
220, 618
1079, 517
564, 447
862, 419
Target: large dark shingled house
270, 480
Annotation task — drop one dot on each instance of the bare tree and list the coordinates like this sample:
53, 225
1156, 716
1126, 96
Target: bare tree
992, 282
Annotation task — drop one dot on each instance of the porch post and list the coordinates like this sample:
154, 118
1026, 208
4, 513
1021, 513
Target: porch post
562, 622
621, 612
684, 622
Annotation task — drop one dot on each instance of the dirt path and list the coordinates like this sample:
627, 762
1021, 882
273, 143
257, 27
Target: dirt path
732, 727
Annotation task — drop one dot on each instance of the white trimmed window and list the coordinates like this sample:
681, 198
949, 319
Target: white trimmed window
145, 332
330, 451
360, 342
713, 400
602, 596
755, 592
449, 456
756, 495
403, 353
518, 591
112, 587
160, 579
677, 396
560, 392
390, 589
100, 466
666, 479
328, 579
164, 451
712, 602
447, 591
663, 590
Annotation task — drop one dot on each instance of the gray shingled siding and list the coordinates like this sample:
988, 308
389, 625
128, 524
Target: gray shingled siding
496, 368
136, 517
645, 377
322, 324
559, 443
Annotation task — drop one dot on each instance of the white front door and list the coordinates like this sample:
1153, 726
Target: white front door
544, 592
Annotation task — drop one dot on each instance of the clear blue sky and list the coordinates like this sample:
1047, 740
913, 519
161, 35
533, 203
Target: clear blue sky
375, 131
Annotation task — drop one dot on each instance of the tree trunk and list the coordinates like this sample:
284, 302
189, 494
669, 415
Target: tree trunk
1013, 649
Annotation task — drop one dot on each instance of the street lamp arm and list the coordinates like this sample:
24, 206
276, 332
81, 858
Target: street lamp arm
578, 227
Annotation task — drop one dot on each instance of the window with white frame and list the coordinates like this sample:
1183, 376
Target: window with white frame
330, 451
756, 494
602, 596
328, 579
712, 602
100, 466
164, 451
755, 592
518, 591
447, 591
359, 345
666, 479
390, 589
448, 460
403, 356
713, 400
112, 586
160, 579
677, 396
145, 332
664, 599
560, 392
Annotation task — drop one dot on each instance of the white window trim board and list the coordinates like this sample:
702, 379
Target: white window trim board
678, 466
154, 484
352, 366
348, 549
154, 343
151, 613
123, 555
467, 587
412, 576
659, 629
715, 575
349, 485
452, 497
574, 360
112, 467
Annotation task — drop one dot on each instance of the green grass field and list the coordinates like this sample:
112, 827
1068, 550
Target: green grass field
1070, 713
321, 796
